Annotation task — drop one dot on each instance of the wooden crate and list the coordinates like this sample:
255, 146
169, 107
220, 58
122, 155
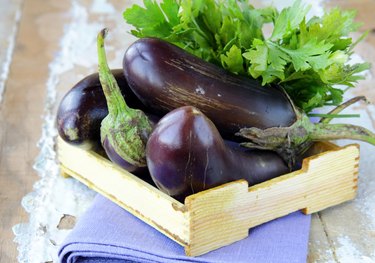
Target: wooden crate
222, 215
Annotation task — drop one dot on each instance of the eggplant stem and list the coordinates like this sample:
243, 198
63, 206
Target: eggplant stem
291, 141
325, 132
115, 100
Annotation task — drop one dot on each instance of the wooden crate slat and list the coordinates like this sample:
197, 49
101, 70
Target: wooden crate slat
224, 215
133, 194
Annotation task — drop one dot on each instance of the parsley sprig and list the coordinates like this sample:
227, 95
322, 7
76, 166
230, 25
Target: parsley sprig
309, 58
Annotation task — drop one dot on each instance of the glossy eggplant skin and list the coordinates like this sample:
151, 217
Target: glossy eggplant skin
117, 159
84, 106
141, 172
186, 154
165, 77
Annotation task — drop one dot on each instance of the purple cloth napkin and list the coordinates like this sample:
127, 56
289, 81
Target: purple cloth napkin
108, 233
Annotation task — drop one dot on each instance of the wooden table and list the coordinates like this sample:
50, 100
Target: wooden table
35, 38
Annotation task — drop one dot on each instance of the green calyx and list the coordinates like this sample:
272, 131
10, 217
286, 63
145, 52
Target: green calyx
291, 141
288, 142
127, 136
126, 129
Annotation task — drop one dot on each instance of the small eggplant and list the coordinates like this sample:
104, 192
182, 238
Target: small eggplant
186, 154
124, 131
83, 108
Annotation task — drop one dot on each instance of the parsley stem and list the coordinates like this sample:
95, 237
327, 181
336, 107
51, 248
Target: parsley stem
331, 116
340, 108
199, 30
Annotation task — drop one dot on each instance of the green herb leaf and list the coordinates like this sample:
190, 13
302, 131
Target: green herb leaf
310, 54
233, 60
170, 9
289, 20
258, 57
151, 15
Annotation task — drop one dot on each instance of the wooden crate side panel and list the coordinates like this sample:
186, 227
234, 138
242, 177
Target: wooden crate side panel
214, 220
324, 181
138, 197
223, 215
335, 179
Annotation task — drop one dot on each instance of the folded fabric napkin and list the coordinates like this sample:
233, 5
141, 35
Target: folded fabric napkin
108, 233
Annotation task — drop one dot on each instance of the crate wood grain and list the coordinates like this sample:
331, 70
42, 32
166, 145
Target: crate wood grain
222, 215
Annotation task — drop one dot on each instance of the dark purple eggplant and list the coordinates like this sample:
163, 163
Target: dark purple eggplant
124, 131
165, 77
83, 108
186, 154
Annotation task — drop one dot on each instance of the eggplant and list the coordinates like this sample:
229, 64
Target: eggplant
124, 131
186, 154
165, 77
83, 108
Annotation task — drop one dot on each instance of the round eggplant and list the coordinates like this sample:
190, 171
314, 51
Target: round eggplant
186, 154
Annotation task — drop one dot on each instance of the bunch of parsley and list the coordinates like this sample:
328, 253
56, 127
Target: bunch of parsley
309, 58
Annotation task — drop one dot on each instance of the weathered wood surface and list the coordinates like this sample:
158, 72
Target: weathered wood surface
21, 103
339, 234
346, 233
36, 65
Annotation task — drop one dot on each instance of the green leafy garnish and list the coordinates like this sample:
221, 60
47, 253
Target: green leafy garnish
309, 58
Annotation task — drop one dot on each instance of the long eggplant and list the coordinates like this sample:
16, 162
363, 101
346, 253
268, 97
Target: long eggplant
186, 154
165, 77
84, 106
